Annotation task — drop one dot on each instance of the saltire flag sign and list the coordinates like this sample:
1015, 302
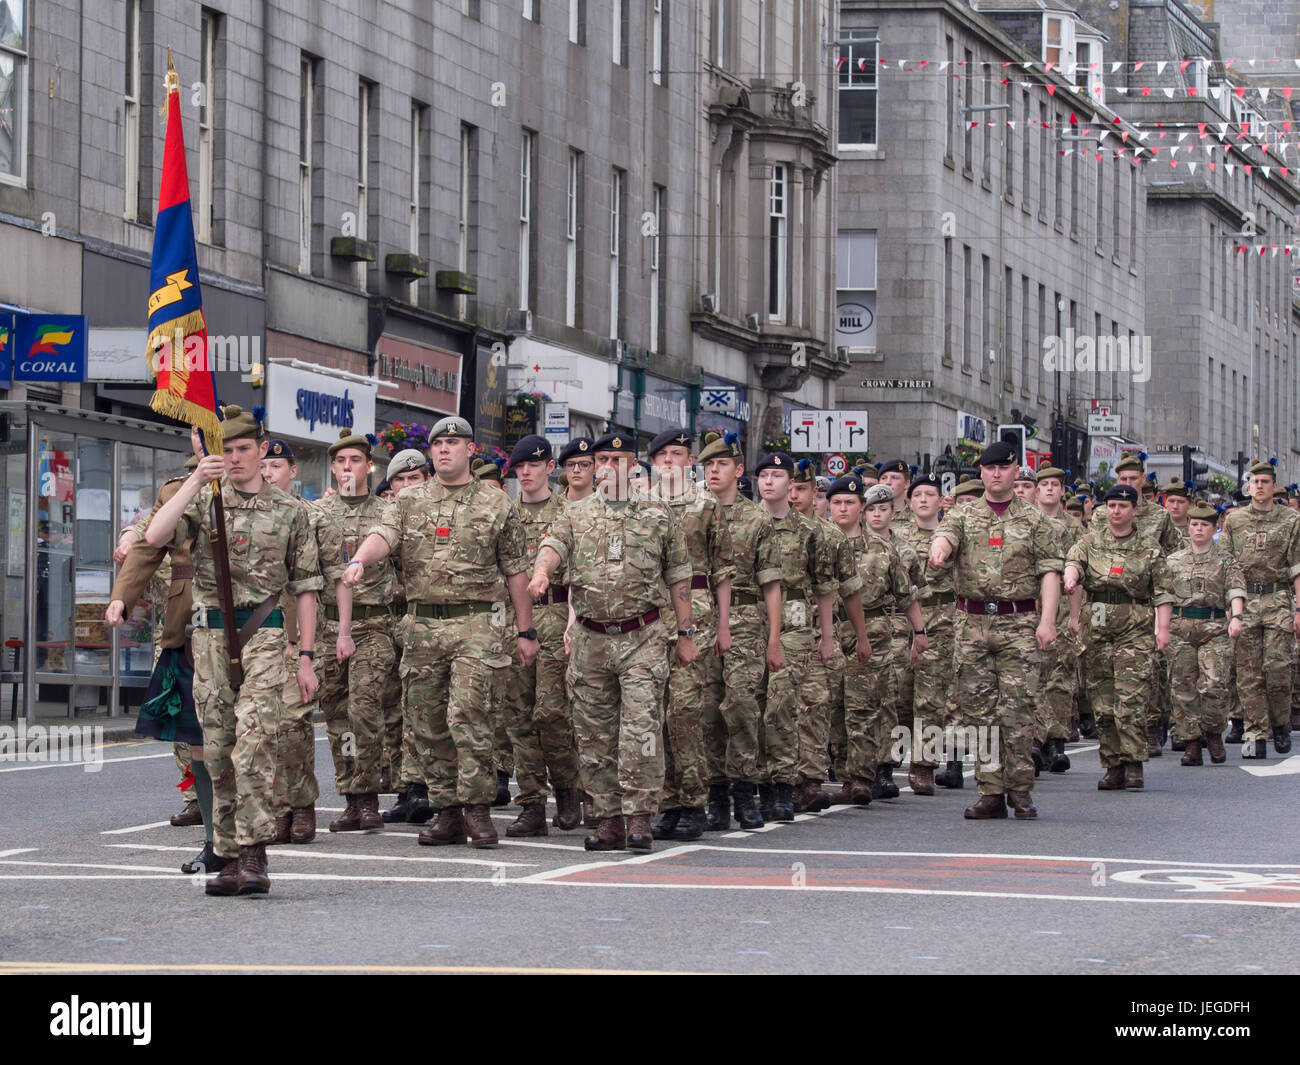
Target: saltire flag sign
177, 346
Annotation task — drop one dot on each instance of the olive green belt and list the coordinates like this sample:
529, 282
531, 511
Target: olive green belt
744, 599
448, 610
1199, 613
359, 613
1110, 595
274, 620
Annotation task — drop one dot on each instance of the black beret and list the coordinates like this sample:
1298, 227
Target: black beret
894, 466
531, 448
616, 441
745, 486
778, 460
999, 453
925, 480
850, 485
667, 438
280, 449
1124, 493
578, 446
382, 487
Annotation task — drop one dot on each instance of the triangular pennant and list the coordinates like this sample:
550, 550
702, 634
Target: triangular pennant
1265, 170
1286, 93
1051, 89
943, 64
1168, 93
1263, 94
1191, 167
1200, 128
1247, 168
1114, 67
1160, 66
1182, 67
1240, 90
1230, 167
1139, 65
1183, 136
1145, 91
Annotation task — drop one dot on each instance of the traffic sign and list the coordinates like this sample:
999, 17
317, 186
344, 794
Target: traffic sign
836, 465
828, 430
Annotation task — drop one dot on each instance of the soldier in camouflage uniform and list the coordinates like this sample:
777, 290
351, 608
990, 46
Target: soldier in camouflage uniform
930, 680
1121, 572
406, 468
271, 551
1207, 590
620, 550
696, 689
897, 475
823, 686
1004, 554
462, 551
731, 728
868, 675
1265, 539
1026, 486
808, 584
352, 688
537, 705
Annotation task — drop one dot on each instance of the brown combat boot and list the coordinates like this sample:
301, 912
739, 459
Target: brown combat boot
817, 799
1113, 780
252, 878
1214, 742
303, 829
371, 820
350, 821
798, 797
225, 882
282, 827
530, 822
843, 796
589, 818
568, 816
1192, 753
920, 778
859, 791
189, 816
1153, 742
640, 836
447, 827
988, 808
478, 821
1133, 776
609, 835
1022, 804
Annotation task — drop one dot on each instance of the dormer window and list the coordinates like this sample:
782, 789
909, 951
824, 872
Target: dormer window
1088, 67
1058, 42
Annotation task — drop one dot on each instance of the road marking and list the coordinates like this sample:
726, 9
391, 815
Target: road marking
1286, 767
33, 968
134, 828
283, 852
85, 762
18, 850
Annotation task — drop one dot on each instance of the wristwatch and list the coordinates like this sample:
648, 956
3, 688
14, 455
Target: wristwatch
687, 634
918, 632
307, 654
526, 634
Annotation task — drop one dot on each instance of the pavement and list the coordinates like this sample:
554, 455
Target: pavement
1197, 874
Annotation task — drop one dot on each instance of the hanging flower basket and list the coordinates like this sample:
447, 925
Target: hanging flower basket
402, 435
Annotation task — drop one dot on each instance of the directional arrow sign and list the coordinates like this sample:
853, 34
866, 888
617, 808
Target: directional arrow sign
1286, 767
821, 431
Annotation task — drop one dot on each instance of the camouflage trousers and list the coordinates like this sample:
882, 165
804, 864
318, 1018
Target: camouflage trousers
1263, 654
779, 735
181, 756
868, 693
1158, 705
394, 732
617, 682
537, 713
351, 698
449, 668
996, 658
1200, 659
927, 697
692, 691
239, 734
899, 711
1057, 670
503, 751
731, 726
295, 748
1120, 661
813, 725
1295, 675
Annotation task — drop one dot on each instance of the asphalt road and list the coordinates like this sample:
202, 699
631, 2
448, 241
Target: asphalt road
1181, 878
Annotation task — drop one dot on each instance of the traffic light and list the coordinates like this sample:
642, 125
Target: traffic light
1015, 435
1195, 470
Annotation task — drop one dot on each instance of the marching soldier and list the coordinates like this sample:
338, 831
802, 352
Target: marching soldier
1122, 572
1207, 590
731, 729
620, 550
579, 466
967, 491
1026, 485
352, 687
1177, 501
897, 475
461, 546
695, 689
1265, 539
271, 551
1149, 520
537, 705
1004, 555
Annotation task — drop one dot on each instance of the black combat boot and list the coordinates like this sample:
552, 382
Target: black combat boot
1235, 730
783, 802
1282, 739
417, 798
747, 813
397, 813
503, 789
663, 828
884, 787
691, 823
719, 816
1058, 760
765, 802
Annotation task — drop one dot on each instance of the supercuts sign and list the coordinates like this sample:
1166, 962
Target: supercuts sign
315, 406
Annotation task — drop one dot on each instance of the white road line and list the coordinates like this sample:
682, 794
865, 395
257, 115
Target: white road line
83, 764
18, 850
1025, 857
505, 841
134, 828
1286, 767
283, 852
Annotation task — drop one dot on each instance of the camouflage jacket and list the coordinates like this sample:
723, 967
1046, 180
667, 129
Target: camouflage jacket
537, 519
620, 557
1151, 522
1211, 578
845, 561
455, 544
920, 541
354, 521
704, 524
805, 558
912, 566
1133, 566
272, 549
1266, 543
1000, 557
753, 549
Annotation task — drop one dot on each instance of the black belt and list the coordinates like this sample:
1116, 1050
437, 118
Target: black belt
996, 606
1116, 598
449, 610
1199, 613
1264, 587
359, 612
274, 620
618, 627
554, 594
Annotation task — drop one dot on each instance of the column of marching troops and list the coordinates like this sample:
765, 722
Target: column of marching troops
655, 647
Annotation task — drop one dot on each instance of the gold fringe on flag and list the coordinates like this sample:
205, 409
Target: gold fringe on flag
173, 403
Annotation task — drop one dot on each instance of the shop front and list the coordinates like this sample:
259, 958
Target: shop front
570, 392
724, 408
72, 480
421, 386
647, 405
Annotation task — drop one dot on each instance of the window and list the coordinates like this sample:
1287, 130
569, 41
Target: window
306, 132
530, 10
1058, 42
762, 38
365, 94
951, 78
719, 220
1044, 147
419, 127
526, 147
131, 115
1074, 194
578, 21
618, 180
949, 294
1008, 325
1042, 336
1088, 69
468, 204
857, 89
207, 102
656, 266
1026, 148
986, 121
571, 199
619, 50
967, 307
13, 92
1115, 207
776, 246
1213, 262
720, 32
1008, 145
967, 101
657, 42
1132, 216
855, 285
1026, 333
1058, 148
986, 313
1099, 214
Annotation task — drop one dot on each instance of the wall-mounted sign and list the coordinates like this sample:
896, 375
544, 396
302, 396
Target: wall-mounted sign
427, 377
50, 347
315, 406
